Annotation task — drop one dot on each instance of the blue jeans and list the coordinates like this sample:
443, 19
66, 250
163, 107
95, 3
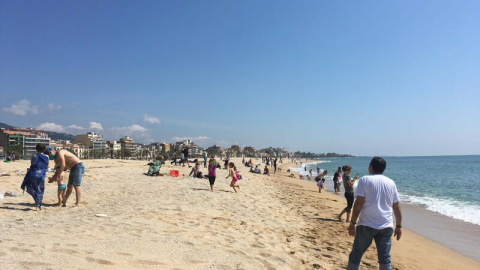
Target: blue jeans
363, 238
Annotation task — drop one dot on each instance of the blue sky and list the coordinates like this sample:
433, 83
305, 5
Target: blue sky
358, 77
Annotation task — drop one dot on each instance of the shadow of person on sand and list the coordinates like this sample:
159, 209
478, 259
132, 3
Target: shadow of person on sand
198, 189
328, 219
30, 206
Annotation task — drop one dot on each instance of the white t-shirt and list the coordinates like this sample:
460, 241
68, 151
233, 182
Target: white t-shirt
380, 193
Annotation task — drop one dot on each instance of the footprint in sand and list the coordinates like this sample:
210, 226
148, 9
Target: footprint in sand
124, 254
66, 251
146, 262
99, 261
15, 249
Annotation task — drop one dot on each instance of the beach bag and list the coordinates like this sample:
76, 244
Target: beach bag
174, 173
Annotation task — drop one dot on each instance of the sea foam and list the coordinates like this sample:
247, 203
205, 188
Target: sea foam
448, 207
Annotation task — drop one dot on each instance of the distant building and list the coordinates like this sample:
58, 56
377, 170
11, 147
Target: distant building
215, 150
236, 148
22, 142
249, 151
114, 149
165, 147
96, 144
129, 147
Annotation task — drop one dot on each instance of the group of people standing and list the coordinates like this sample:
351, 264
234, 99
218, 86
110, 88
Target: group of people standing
34, 180
212, 173
374, 203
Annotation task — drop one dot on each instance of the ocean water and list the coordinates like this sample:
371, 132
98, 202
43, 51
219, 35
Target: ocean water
448, 185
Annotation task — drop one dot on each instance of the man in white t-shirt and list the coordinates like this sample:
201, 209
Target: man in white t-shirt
376, 197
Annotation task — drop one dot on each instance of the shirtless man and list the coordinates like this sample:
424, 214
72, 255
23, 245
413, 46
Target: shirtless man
66, 160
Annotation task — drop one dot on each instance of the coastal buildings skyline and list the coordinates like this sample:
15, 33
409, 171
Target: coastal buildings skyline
21, 143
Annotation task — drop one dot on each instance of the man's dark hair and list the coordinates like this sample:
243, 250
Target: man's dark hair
378, 165
40, 147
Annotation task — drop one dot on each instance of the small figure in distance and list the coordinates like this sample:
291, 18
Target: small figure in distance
256, 170
266, 171
320, 180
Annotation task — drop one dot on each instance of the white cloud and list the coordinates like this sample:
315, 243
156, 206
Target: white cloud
198, 138
51, 127
136, 128
23, 107
151, 119
95, 125
136, 132
52, 107
76, 127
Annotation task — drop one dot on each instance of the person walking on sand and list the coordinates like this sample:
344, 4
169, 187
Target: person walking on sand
377, 196
66, 160
174, 158
34, 180
275, 165
349, 194
212, 172
231, 172
205, 159
336, 177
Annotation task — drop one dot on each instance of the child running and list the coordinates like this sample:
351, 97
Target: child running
231, 172
212, 172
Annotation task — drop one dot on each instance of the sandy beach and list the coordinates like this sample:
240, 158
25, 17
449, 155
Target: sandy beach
274, 222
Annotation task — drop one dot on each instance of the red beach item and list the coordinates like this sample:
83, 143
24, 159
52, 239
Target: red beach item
174, 173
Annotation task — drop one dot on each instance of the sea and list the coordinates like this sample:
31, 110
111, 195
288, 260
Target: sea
448, 185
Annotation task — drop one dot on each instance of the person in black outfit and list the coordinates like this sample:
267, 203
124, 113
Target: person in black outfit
349, 192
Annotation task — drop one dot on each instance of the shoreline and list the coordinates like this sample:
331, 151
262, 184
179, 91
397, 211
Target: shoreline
274, 222
462, 237
459, 242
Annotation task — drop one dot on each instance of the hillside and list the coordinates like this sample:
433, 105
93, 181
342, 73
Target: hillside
53, 135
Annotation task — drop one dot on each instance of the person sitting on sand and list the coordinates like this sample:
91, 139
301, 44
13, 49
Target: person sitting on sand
292, 175
300, 176
34, 181
155, 167
256, 170
266, 171
196, 171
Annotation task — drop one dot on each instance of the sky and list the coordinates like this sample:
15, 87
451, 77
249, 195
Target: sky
397, 78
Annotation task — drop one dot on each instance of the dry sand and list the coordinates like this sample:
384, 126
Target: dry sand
274, 222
